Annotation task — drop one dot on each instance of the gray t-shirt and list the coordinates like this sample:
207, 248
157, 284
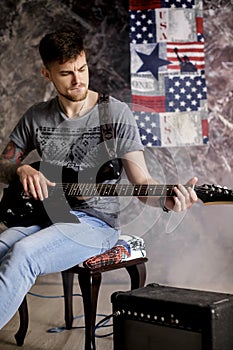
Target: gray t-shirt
78, 144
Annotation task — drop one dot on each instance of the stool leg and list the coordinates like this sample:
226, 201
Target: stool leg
23, 316
137, 275
90, 284
68, 279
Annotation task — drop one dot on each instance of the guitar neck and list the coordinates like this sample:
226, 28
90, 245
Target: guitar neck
208, 194
125, 190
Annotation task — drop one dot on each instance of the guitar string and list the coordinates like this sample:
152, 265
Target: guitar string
129, 190
137, 188
111, 189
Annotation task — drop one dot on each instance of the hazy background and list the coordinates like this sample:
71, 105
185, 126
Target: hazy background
192, 249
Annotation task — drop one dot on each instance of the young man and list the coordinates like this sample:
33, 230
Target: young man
66, 131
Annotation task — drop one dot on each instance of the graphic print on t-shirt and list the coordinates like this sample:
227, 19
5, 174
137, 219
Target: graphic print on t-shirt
72, 148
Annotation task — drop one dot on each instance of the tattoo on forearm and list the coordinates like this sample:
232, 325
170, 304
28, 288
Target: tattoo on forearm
10, 159
12, 153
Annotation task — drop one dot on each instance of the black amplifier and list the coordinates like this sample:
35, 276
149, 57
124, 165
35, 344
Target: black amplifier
159, 317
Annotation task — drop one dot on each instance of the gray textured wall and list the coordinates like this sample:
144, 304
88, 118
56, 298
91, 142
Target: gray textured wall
193, 249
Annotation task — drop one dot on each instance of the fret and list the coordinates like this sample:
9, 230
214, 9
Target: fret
136, 190
156, 190
71, 189
76, 190
113, 191
126, 190
164, 191
87, 190
92, 190
100, 189
95, 190
107, 189
169, 190
129, 190
151, 190
82, 190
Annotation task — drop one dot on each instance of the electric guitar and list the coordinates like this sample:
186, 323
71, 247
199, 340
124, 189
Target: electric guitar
16, 208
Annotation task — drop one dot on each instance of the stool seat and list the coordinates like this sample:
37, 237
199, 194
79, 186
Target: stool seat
89, 281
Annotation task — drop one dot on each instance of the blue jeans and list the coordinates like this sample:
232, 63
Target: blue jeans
28, 252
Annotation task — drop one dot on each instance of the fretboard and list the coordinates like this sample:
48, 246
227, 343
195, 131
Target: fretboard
89, 189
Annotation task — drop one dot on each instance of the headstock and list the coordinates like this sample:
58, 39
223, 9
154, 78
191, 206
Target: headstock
214, 194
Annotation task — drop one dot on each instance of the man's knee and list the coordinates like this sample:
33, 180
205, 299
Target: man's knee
23, 254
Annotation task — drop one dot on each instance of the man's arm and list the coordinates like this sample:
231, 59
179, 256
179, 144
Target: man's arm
137, 173
34, 182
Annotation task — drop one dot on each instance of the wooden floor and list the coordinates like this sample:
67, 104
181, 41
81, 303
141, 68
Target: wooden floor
45, 313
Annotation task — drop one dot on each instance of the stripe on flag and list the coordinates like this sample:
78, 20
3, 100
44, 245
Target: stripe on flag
179, 52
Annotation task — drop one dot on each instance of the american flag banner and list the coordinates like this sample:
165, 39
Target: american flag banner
169, 97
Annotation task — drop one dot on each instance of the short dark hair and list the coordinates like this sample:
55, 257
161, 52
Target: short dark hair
60, 46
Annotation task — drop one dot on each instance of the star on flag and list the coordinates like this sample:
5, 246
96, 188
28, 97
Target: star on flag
152, 62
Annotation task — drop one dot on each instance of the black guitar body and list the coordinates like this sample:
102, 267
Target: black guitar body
17, 209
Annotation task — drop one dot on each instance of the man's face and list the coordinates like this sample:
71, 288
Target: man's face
71, 79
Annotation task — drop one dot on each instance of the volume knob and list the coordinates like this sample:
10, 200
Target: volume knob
10, 212
29, 205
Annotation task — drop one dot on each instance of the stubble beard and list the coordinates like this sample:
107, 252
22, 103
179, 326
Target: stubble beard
74, 98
